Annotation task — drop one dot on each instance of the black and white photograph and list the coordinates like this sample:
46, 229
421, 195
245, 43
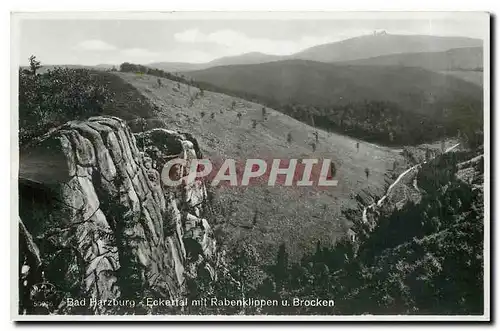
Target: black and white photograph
325, 166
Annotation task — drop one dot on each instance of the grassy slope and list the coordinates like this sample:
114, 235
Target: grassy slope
127, 103
292, 215
315, 83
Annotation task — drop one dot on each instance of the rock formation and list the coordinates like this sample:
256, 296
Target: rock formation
94, 211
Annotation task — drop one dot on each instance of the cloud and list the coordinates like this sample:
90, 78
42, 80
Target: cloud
139, 53
94, 45
236, 42
189, 36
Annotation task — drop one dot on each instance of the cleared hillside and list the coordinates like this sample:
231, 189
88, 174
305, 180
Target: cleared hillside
127, 102
281, 214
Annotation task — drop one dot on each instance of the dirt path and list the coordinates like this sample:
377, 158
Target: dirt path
381, 201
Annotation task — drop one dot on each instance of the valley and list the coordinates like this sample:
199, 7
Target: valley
283, 214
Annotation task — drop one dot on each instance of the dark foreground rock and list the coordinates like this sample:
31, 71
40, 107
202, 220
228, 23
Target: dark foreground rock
98, 223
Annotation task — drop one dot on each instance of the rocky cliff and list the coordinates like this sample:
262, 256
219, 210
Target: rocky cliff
97, 222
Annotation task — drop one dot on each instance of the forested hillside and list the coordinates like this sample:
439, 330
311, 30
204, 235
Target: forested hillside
425, 258
390, 105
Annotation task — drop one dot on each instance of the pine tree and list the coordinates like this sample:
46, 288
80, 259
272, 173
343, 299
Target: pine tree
34, 64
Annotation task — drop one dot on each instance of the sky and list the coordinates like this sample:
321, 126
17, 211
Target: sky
113, 41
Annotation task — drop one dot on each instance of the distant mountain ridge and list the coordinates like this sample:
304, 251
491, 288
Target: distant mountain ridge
383, 44
246, 58
356, 48
465, 58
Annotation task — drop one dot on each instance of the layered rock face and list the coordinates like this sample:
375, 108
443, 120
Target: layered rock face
103, 223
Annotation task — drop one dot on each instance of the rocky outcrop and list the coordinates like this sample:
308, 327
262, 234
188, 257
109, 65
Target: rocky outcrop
103, 222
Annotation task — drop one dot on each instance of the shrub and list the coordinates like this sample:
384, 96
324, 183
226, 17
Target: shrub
57, 96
